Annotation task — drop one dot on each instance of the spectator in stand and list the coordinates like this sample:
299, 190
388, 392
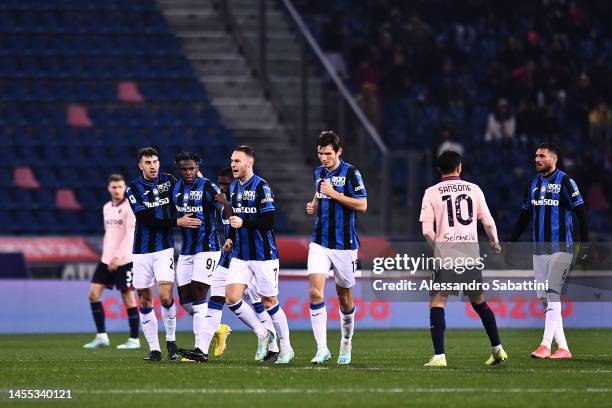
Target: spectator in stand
335, 34
600, 121
367, 100
447, 142
501, 124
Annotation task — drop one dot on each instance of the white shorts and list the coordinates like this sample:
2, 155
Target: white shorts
219, 280
252, 292
554, 268
153, 267
264, 272
342, 261
198, 267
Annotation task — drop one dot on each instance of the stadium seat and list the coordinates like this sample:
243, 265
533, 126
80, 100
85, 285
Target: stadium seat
127, 91
24, 178
77, 116
66, 200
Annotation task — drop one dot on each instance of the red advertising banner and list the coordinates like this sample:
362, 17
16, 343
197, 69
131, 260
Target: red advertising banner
50, 249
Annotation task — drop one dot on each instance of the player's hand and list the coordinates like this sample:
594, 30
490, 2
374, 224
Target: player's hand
584, 254
328, 189
311, 207
187, 221
235, 221
496, 247
113, 264
229, 244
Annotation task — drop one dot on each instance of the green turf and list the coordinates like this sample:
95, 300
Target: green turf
387, 370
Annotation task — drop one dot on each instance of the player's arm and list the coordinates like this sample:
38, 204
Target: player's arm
524, 216
485, 217
265, 218
146, 216
572, 196
427, 219
356, 197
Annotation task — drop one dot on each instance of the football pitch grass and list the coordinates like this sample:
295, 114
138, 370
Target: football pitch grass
387, 370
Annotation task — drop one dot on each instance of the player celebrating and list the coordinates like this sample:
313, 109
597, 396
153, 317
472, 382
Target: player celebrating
200, 252
454, 206
254, 253
115, 267
339, 193
226, 176
153, 253
550, 198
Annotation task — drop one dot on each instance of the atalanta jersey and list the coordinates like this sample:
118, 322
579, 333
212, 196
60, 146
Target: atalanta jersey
199, 199
550, 200
334, 224
249, 201
143, 195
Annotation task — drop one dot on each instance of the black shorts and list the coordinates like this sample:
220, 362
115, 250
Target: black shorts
122, 277
450, 276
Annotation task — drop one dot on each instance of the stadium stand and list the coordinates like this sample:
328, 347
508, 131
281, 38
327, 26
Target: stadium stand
83, 85
491, 79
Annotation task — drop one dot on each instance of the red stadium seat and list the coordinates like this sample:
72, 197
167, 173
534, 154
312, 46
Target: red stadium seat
77, 116
66, 200
127, 91
24, 178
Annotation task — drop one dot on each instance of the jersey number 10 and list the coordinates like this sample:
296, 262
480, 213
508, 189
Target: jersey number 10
457, 212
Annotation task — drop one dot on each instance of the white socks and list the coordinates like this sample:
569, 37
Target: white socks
318, 319
248, 317
169, 318
553, 319
266, 320
347, 327
199, 316
279, 318
148, 321
209, 325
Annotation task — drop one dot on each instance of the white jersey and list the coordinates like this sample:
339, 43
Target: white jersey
455, 206
119, 224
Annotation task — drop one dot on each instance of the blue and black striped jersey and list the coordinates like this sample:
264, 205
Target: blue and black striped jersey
199, 199
551, 200
143, 195
334, 224
249, 201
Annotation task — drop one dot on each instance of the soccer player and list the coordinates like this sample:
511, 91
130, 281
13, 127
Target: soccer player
153, 252
550, 198
251, 293
449, 216
254, 253
339, 194
200, 252
115, 267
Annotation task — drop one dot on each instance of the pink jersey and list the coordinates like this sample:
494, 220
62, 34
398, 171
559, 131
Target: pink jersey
454, 206
119, 224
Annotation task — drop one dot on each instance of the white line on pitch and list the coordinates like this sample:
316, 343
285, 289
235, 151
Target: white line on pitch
342, 390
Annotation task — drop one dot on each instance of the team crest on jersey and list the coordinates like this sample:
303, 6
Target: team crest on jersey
553, 188
247, 195
132, 199
162, 188
338, 181
195, 195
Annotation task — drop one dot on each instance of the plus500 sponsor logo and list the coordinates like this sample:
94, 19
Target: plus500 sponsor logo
245, 210
157, 203
545, 201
